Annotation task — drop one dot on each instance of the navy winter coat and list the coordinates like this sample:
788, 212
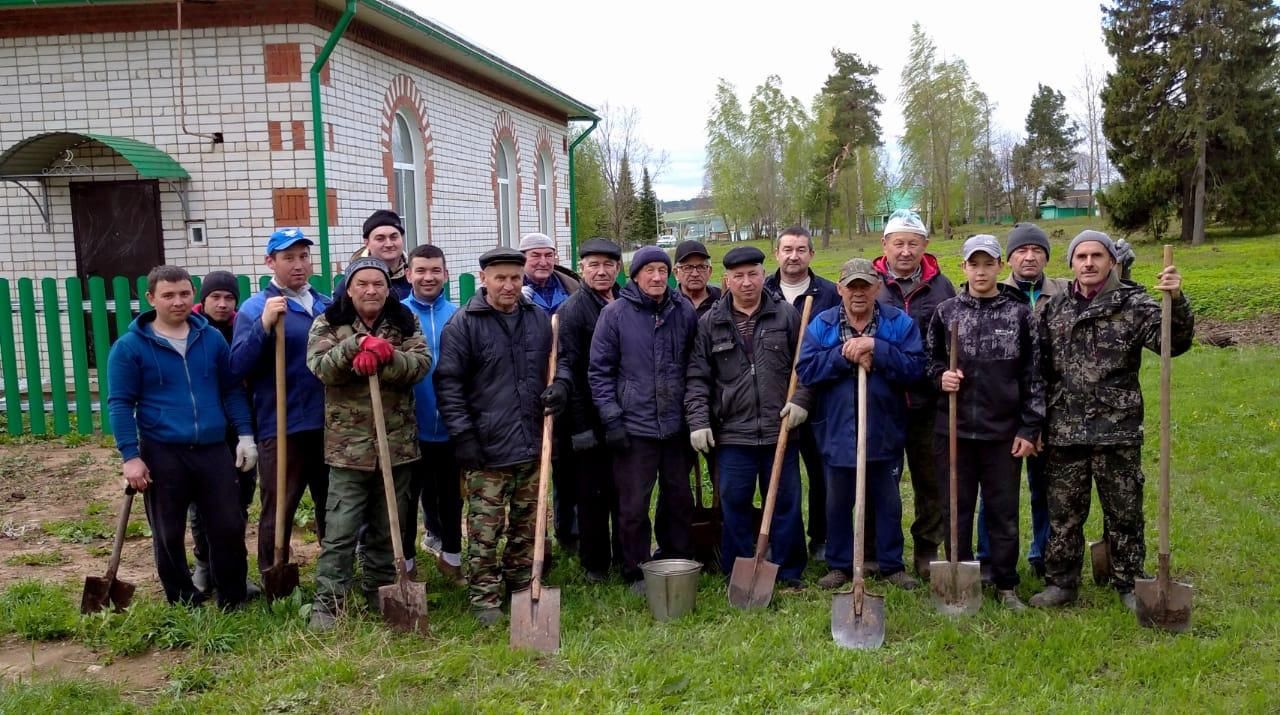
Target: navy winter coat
898, 361
823, 291
639, 354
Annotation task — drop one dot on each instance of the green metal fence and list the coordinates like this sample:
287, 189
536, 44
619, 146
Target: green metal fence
57, 385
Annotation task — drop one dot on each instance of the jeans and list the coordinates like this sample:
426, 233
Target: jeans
741, 470
883, 498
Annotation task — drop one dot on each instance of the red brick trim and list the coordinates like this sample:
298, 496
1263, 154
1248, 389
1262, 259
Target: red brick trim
331, 205
291, 207
404, 97
504, 131
282, 62
299, 135
275, 139
545, 148
324, 71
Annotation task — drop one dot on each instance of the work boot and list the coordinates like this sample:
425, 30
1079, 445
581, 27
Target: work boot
1054, 597
870, 568
597, 576
371, 598
791, 584
902, 580
923, 555
487, 616
251, 590
200, 577
1129, 600
322, 620
834, 579
1009, 599
451, 572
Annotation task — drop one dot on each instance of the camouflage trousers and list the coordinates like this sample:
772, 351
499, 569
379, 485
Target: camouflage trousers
500, 502
1117, 471
356, 498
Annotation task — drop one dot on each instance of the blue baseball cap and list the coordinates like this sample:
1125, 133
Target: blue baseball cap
285, 237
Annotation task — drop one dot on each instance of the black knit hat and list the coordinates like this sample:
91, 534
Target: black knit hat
219, 280
1026, 234
382, 217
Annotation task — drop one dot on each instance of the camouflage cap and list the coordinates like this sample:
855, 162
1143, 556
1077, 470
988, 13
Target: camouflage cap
858, 269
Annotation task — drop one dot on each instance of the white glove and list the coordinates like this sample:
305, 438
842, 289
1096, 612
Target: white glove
702, 440
246, 453
794, 414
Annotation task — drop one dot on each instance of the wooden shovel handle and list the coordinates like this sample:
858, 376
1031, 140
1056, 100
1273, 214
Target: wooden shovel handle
122, 525
780, 452
388, 481
282, 443
1166, 379
860, 488
953, 408
544, 473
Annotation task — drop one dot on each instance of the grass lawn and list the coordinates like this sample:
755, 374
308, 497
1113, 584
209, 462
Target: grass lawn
615, 658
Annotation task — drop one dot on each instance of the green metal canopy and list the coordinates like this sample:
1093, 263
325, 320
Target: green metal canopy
32, 156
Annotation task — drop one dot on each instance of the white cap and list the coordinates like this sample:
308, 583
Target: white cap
905, 221
536, 240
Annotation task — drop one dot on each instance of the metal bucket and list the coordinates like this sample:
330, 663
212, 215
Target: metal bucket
671, 586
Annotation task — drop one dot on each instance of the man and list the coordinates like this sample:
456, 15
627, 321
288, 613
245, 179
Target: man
639, 354
736, 402
1091, 340
1001, 405
885, 341
913, 283
436, 475
793, 282
383, 235
289, 303
365, 332
547, 285
598, 528
693, 276
493, 370
219, 294
172, 399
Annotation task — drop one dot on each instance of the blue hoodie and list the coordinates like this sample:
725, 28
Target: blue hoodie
169, 398
253, 360
431, 318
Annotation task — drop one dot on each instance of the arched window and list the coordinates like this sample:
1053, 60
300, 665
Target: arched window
544, 195
406, 181
508, 222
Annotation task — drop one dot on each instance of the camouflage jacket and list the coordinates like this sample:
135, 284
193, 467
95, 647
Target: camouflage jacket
1090, 354
350, 441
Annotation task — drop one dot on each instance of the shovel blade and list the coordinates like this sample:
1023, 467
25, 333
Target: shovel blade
851, 630
536, 624
751, 583
280, 580
404, 606
1100, 560
955, 587
1172, 612
97, 594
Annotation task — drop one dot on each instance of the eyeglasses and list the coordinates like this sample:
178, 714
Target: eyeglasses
698, 268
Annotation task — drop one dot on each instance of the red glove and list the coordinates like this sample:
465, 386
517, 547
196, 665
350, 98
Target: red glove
380, 348
365, 363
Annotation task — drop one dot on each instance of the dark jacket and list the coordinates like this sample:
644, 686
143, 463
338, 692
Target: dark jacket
739, 395
923, 299
227, 328
1002, 394
253, 360
639, 355
489, 380
823, 291
713, 295
898, 361
400, 285
1090, 355
562, 284
163, 396
578, 318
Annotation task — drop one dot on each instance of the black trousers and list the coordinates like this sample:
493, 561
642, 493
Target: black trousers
437, 484
817, 497
599, 532
304, 469
203, 475
986, 466
636, 469
564, 487
248, 485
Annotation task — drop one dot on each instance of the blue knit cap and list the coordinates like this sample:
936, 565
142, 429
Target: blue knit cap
647, 255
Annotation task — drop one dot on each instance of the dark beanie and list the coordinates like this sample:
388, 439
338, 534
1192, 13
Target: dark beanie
1026, 234
219, 280
382, 217
647, 255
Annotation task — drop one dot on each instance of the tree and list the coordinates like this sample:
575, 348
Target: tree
1192, 112
620, 144
772, 121
850, 126
590, 193
624, 200
1051, 141
727, 176
1096, 172
643, 228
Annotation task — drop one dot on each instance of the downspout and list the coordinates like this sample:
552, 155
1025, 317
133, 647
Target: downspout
573, 202
216, 137
317, 138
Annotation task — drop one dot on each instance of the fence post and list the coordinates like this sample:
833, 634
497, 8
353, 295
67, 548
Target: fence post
101, 344
143, 305
242, 282
124, 306
57, 367
79, 356
9, 362
466, 287
31, 349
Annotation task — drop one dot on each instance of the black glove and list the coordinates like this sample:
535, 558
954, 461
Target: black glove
466, 451
554, 398
616, 436
583, 441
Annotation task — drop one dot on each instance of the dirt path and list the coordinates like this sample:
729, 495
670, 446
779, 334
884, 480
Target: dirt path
1263, 330
22, 660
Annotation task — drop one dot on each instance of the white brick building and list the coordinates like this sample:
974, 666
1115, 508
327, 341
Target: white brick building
470, 149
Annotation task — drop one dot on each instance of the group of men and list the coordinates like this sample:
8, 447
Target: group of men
646, 375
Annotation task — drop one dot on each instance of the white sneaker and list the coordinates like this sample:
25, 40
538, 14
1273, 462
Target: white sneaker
432, 544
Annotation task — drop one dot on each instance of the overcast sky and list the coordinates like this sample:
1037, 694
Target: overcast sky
664, 57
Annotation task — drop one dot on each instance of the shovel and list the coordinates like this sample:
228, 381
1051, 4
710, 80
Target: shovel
704, 528
282, 578
857, 617
100, 591
1163, 602
1100, 559
403, 603
955, 587
535, 611
751, 583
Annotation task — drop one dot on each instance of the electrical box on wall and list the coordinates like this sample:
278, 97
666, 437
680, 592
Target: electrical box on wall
196, 235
